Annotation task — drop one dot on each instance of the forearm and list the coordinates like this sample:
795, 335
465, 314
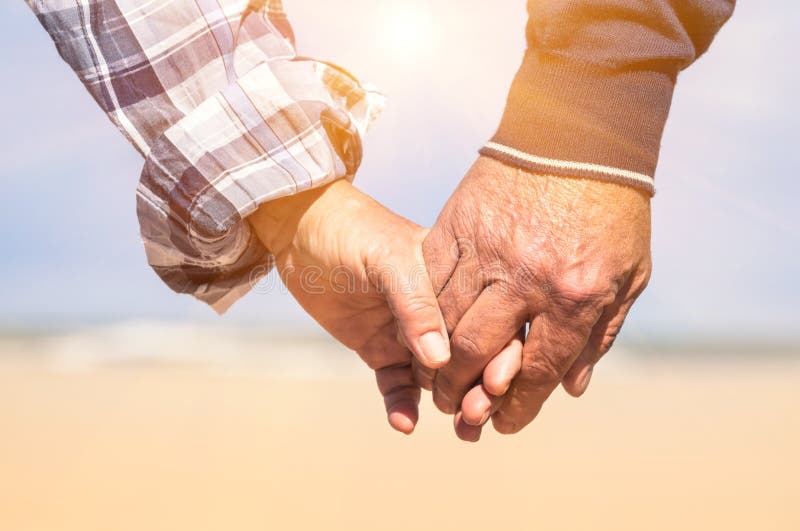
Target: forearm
594, 90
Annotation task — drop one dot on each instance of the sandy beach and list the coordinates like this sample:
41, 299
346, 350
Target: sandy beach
262, 434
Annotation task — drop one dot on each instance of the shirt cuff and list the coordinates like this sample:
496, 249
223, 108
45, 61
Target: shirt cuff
285, 127
582, 120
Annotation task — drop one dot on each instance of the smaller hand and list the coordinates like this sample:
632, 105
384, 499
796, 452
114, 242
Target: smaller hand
357, 269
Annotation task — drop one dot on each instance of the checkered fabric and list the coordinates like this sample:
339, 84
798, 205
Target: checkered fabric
213, 95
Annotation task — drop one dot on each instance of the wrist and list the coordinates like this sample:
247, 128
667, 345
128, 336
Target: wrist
564, 186
278, 223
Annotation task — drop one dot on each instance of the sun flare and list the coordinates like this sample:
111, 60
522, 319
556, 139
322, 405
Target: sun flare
408, 29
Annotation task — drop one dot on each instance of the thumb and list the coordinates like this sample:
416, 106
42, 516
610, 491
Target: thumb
409, 293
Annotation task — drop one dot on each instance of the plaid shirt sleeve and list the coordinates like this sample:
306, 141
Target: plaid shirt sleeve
227, 117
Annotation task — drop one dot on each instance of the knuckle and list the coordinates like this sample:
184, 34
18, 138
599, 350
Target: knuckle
466, 348
442, 384
382, 355
525, 281
443, 404
465, 249
401, 394
443, 390
541, 372
417, 303
579, 298
644, 280
373, 361
383, 277
504, 425
424, 377
609, 338
393, 379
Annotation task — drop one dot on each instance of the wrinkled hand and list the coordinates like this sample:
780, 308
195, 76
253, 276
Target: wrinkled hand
357, 269
569, 256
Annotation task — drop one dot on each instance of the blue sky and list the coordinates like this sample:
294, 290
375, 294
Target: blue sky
726, 222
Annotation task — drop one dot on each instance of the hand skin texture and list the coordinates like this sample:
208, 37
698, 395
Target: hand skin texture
568, 256
358, 270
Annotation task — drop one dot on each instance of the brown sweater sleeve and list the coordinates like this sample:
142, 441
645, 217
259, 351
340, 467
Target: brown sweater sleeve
595, 86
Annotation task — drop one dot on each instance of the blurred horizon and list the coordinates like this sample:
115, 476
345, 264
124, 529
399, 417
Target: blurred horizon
726, 230
127, 407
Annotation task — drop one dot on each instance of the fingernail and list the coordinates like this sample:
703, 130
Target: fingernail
435, 348
586, 379
406, 426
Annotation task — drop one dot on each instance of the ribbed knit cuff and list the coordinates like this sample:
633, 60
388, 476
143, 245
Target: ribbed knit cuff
580, 120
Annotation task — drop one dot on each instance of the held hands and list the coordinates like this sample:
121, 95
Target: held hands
567, 256
357, 269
